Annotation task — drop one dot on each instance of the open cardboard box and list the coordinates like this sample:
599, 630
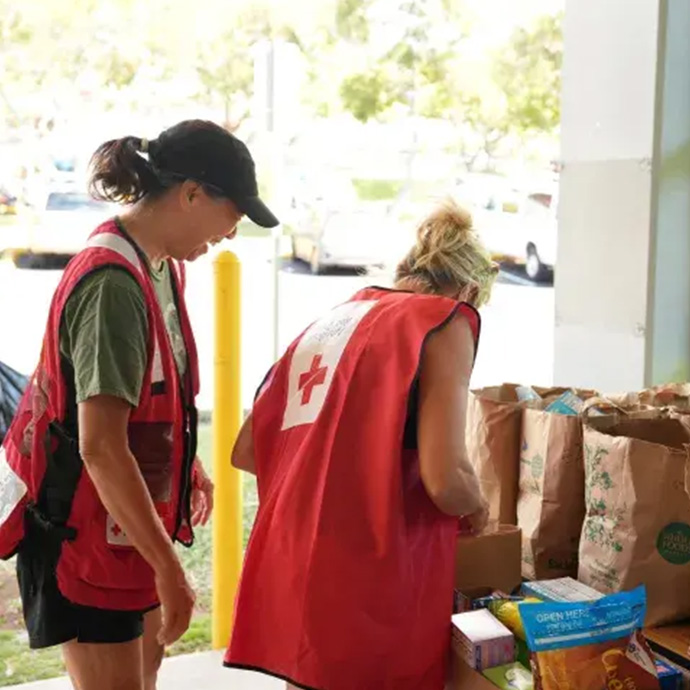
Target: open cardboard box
491, 560
462, 677
673, 643
488, 562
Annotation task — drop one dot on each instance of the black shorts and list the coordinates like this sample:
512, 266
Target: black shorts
53, 620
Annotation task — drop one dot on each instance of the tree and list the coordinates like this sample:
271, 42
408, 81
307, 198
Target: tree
365, 95
528, 71
351, 21
13, 33
487, 129
413, 42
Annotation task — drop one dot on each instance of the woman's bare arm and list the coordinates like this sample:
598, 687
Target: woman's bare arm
243, 452
446, 472
116, 476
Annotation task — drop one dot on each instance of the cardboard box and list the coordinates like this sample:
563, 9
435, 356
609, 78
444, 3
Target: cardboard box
463, 677
465, 600
483, 640
672, 643
491, 560
564, 589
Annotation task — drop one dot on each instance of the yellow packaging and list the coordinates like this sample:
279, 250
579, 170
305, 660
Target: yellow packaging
508, 613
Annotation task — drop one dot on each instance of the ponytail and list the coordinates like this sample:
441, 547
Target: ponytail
119, 173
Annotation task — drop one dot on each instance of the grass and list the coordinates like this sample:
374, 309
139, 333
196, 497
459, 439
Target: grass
377, 190
18, 664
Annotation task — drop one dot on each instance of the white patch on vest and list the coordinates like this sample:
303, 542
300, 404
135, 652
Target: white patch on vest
315, 360
117, 244
115, 535
12, 488
157, 366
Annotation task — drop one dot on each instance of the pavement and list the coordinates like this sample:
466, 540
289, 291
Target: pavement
517, 333
202, 671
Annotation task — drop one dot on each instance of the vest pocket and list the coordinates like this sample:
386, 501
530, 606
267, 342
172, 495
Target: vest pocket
151, 444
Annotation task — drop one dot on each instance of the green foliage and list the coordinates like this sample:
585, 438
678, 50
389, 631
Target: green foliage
225, 66
366, 95
529, 73
351, 21
196, 639
370, 58
377, 190
19, 664
413, 64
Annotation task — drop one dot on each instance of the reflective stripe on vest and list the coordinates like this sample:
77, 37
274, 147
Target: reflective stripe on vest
12, 488
119, 245
109, 240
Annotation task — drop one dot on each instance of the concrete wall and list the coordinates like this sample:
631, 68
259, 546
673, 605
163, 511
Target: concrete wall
617, 233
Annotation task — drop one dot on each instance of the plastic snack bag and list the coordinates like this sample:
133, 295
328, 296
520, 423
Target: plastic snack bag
507, 611
590, 645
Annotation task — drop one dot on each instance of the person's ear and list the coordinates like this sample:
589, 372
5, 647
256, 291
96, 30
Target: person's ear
468, 294
189, 193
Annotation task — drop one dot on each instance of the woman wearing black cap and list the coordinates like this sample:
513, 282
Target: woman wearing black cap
98, 473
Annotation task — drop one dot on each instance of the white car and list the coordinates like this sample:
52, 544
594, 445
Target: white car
65, 222
514, 225
355, 238
540, 233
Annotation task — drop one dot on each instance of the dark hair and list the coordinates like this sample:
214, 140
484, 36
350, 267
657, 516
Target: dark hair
120, 173
127, 170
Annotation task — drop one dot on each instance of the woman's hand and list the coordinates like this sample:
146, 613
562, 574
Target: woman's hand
177, 600
202, 494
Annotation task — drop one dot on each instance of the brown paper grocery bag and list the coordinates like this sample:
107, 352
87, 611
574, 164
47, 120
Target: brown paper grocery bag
491, 559
494, 418
637, 525
551, 490
671, 395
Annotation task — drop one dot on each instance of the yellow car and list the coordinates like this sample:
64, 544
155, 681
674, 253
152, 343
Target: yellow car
8, 203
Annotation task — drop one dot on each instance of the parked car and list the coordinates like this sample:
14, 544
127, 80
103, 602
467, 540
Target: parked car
352, 238
66, 220
540, 233
514, 224
8, 203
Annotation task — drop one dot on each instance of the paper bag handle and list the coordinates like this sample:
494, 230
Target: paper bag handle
591, 403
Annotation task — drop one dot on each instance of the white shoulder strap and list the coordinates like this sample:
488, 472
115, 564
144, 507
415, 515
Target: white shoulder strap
118, 244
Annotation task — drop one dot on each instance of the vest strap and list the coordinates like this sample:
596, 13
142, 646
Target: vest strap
117, 244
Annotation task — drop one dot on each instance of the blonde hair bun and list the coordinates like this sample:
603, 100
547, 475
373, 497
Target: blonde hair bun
448, 255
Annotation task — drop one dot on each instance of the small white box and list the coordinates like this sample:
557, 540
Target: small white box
483, 641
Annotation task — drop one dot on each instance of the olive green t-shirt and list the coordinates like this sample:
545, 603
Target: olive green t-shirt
104, 332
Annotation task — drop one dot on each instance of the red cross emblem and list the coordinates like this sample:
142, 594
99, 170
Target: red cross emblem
316, 376
115, 534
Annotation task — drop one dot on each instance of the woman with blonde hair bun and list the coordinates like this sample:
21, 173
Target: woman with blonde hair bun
357, 439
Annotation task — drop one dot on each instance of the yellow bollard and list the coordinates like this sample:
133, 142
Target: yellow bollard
227, 418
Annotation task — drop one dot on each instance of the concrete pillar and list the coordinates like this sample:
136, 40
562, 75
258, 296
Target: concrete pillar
623, 267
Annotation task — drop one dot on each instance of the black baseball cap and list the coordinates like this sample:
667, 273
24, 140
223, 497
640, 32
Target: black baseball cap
205, 152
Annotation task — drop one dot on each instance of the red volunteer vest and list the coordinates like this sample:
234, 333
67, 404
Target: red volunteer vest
97, 565
348, 577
